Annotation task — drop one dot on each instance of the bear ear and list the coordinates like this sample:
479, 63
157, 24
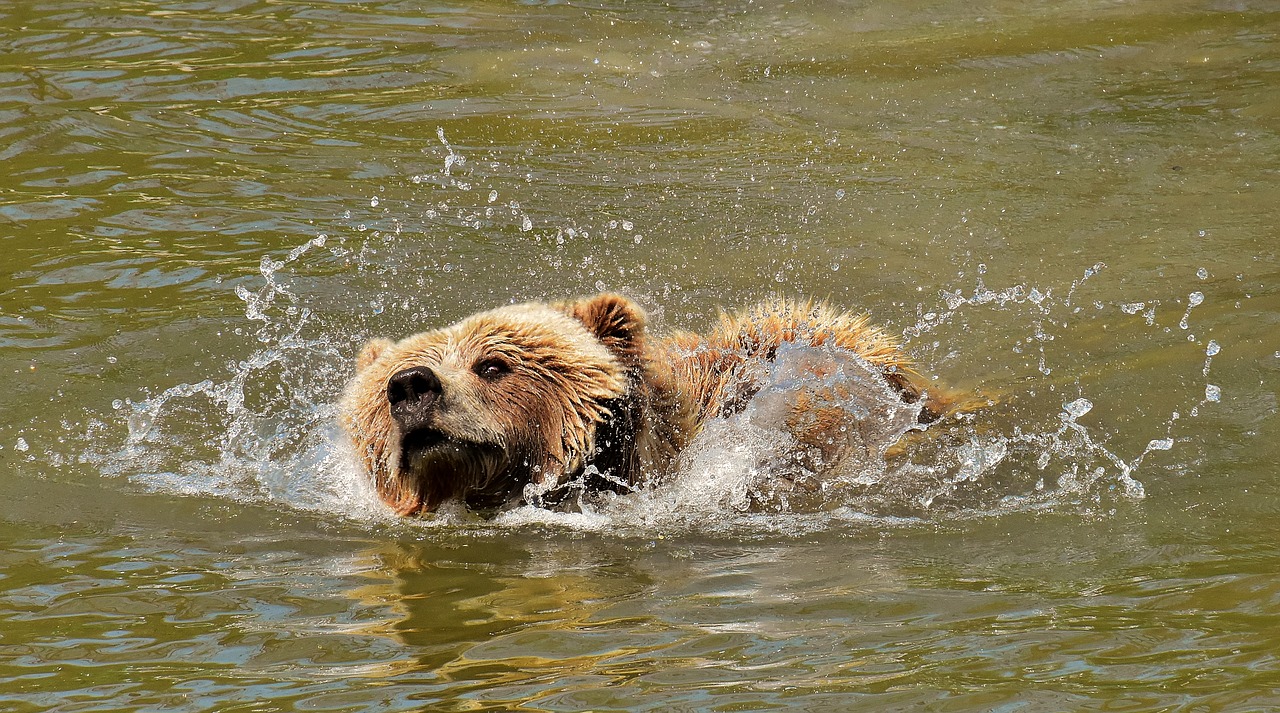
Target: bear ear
371, 351
615, 320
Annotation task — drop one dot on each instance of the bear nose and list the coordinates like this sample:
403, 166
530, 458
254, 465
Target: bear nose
412, 391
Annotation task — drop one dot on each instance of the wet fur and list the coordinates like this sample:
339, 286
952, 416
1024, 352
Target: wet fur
590, 393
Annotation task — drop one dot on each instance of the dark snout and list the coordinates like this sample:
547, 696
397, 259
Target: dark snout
412, 394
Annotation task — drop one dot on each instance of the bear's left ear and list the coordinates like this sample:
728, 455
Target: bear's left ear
615, 320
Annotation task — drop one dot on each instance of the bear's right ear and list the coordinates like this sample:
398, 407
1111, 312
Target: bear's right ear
371, 351
615, 320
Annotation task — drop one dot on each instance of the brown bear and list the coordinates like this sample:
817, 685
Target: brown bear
547, 394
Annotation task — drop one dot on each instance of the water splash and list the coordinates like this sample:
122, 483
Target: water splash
1080, 467
750, 461
265, 433
1210, 352
453, 158
1193, 300
474, 214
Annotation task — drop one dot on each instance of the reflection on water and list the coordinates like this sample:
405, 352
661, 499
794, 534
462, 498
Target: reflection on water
555, 624
1067, 207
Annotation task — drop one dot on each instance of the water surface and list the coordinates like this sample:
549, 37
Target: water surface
208, 207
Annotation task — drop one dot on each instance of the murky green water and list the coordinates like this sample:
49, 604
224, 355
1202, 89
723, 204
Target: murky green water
206, 207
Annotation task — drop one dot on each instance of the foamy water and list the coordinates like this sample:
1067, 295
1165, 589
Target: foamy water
265, 432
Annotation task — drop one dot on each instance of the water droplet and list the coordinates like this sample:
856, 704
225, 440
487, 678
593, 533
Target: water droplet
840, 194
1212, 393
1078, 408
835, 267
1213, 348
21, 446
373, 202
1161, 444
526, 224
1132, 307
493, 196
117, 404
1193, 299
1202, 273
628, 225
112, 360
600, 286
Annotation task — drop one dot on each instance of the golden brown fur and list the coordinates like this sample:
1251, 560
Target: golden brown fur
538, 394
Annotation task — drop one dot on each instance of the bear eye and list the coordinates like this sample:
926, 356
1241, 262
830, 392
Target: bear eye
491, 368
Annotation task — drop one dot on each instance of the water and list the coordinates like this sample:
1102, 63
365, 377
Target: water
1068, 208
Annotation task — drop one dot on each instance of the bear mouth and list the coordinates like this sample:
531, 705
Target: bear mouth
441, 468
422, 439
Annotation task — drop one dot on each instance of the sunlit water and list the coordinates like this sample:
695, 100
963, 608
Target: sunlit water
1069, 209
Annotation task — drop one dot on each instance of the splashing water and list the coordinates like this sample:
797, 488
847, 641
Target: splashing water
1193, 300
750, 461
1086, 471
742, 472
266, 432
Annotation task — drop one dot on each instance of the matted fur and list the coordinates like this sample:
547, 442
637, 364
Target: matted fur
585, 392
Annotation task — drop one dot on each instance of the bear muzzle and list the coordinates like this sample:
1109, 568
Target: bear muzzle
435, 462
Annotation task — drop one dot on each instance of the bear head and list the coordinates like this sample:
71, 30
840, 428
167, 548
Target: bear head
478, 410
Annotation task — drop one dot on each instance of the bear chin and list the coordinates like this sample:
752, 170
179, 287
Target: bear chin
440, 468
